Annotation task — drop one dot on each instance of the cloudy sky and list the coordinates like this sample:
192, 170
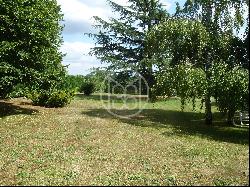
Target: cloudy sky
78, 20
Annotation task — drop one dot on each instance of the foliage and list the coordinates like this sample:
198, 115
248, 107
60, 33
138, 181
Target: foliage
97, 76
19, 90
178, 39
74, 82
202, 34
222, 15
121, 41
29, 44
221, 19
87, 88
52, 98
119, 81
230, 87
184, 81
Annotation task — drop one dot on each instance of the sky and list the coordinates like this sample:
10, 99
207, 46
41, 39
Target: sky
78, 19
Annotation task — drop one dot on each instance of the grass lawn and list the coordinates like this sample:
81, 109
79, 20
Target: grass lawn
82, 144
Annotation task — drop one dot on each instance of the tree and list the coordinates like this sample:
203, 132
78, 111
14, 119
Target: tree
121, 41
74, 82
183, 41
230, 87
97, 76
180, 40
211, 42
30, 37
217, 17
183, 80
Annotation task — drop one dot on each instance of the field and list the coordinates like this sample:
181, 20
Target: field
82, 144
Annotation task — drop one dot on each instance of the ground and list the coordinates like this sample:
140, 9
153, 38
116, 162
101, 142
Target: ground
82, 144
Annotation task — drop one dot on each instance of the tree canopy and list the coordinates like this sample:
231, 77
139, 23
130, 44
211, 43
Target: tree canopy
201, 35
30, 37
121, 40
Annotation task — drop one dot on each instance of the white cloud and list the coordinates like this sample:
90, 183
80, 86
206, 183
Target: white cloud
77, 10
78, 19
78, 14
76, 50
77, 57
80, 68
167, 5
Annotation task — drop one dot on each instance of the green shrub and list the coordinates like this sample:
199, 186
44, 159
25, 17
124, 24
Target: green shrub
74, 82
87, 88
53, 98
18, 91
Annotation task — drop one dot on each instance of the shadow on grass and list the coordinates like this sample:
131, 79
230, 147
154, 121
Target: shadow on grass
8, 109
182, 124
105, 97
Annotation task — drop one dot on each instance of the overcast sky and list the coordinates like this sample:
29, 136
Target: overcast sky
78, 20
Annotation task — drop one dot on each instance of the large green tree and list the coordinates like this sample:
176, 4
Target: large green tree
121, 41
218, 19
230, 87
30, 37
202, 34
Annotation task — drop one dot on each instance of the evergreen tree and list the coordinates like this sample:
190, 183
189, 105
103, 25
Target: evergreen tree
121, 41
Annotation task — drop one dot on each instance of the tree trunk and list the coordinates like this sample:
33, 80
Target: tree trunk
208, 111
151, 95
207, 21
230, 117
149, 77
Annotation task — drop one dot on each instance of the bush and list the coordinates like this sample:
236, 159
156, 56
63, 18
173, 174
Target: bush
230, 88
74, 82
54, 98
18, 91
87, 88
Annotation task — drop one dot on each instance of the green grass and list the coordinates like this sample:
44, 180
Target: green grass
82, 144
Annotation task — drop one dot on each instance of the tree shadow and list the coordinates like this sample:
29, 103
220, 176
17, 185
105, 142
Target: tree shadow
116, 98
181, 123
9, 109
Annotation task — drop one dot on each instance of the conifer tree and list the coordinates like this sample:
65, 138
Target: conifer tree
121, 41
